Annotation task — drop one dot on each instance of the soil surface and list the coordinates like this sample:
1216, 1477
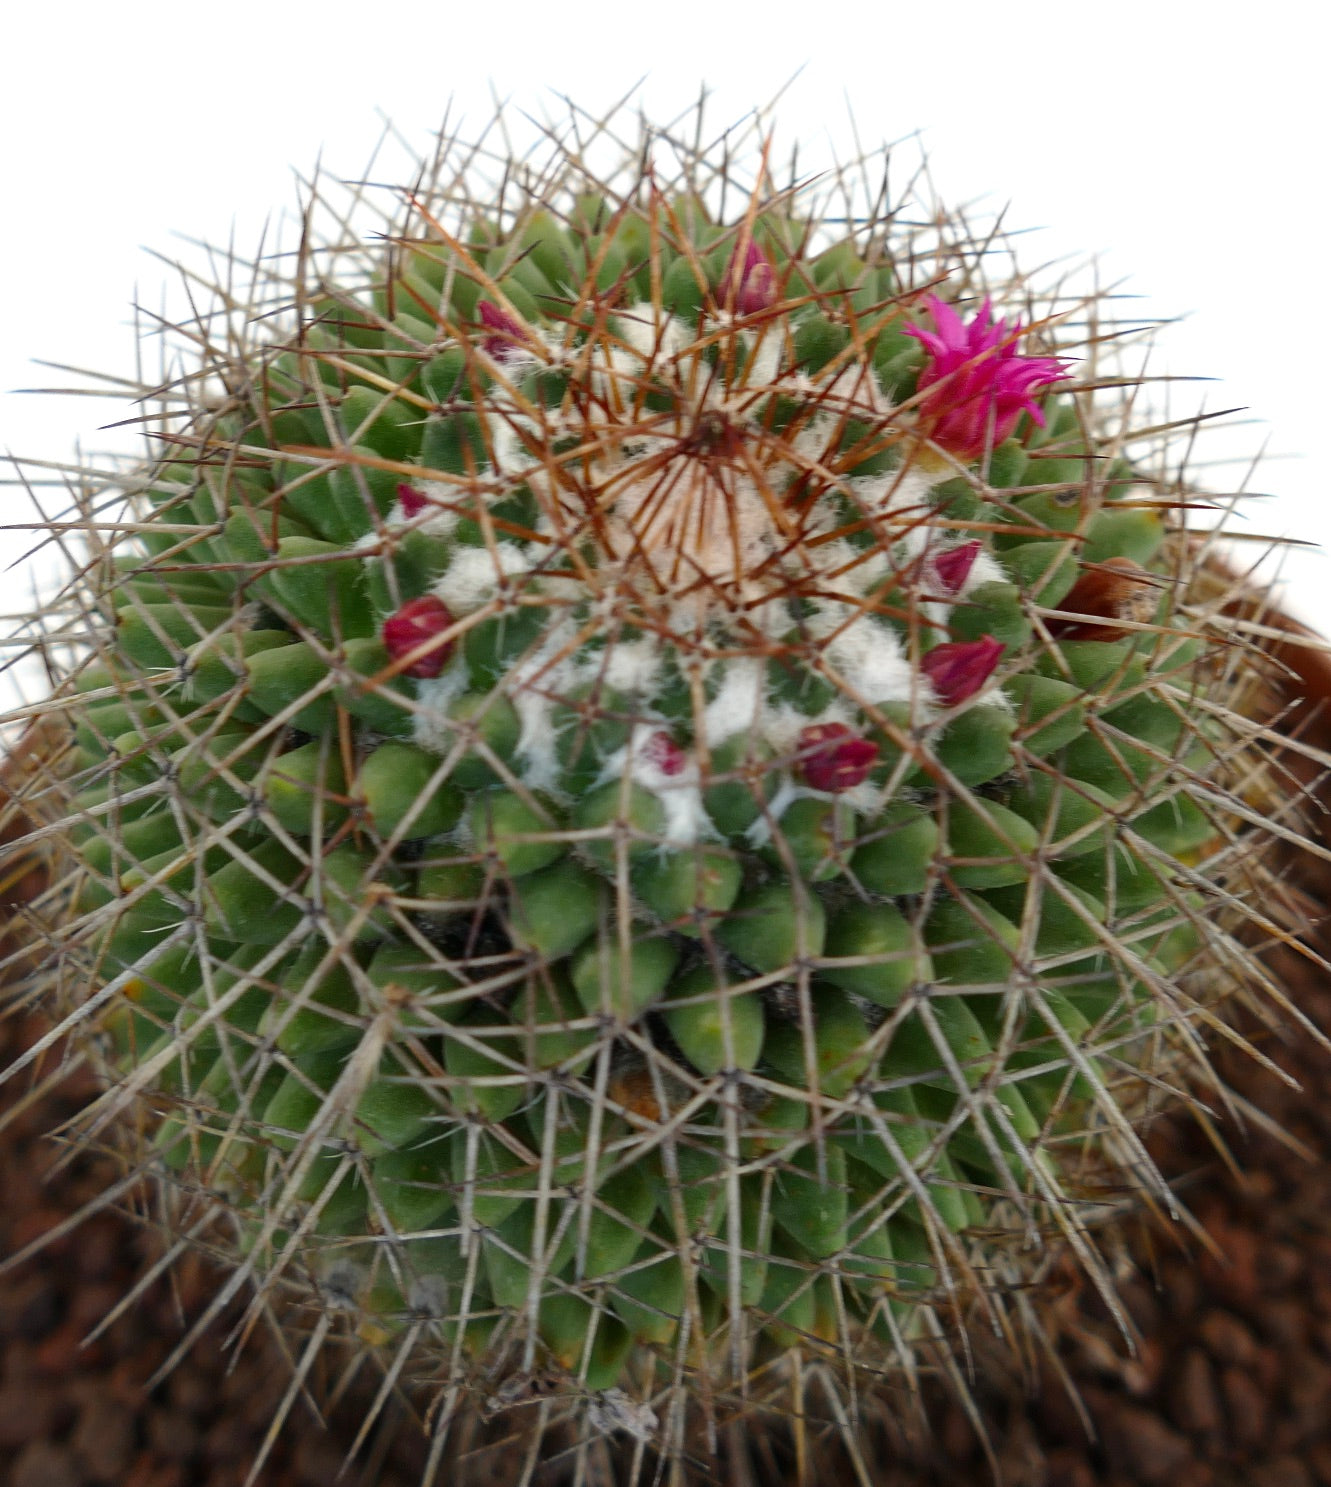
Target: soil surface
1229, 1384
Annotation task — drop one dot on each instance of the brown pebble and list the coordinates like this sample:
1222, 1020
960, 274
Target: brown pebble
91, 1304
1318, 1457
63, 1350
190, 1389
1068, 1468
1226, 1338
1142, 1445
1194, 1474
1308, 1397
104, 1439
1142, 1304
227, 1439
29, 1307
1194, 1397
99, 1253
1245, 1409
32, 1224
318, 1460
1141, 1374
25, 1413
1180, 1289
1285, 1323
148, 1472
1232, 1275
172, 1435
46, 1464
1279, 1266
1281, 1471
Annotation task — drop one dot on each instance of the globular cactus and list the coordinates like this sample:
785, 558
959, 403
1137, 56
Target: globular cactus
652, 787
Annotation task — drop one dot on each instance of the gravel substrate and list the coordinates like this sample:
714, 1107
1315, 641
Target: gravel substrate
1228, 1386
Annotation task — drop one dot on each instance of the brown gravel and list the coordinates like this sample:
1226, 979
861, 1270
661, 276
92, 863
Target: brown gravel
1229, 1385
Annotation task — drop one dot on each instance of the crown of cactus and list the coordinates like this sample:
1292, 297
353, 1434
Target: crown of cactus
652, 791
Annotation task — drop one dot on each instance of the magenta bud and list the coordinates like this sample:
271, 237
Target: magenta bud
412, 501
413, 626
833, 757
751, 282
508, 335
960, 668
663, 753
953, 567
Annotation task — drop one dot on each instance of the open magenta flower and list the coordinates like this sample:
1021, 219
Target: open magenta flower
982, 383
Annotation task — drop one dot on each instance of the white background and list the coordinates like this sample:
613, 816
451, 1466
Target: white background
1185, 144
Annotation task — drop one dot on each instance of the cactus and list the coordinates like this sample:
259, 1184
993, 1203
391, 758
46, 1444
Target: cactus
652, 791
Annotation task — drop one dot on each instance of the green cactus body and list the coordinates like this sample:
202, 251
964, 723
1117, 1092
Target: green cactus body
688, 855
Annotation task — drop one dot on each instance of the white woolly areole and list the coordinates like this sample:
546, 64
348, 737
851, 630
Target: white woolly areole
869, 657
475, 574
738, 706
630, 666
760, 833
653, 335
441, 520
431, 728
534, 687
686, 819
986, 569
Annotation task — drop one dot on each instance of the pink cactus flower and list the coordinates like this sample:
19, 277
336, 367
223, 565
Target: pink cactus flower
418, 621
953, 566
833, 757
749, 285
960, 668
507, 337
412, 501
983, 383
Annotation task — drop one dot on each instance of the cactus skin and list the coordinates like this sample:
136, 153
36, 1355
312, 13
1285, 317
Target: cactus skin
617, 828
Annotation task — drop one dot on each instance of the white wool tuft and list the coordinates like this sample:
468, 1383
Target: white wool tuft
439, 523
686, 819
765, 366
738, 706
436, 694
760, 833
869, 656
986, 569
904, 490
475, 574
534, 687
631, 666
653, 336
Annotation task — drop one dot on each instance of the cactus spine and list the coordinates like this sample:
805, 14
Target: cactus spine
653, 789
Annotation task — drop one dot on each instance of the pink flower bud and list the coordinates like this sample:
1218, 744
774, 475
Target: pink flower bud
981, 384
749, 285
832, 757
953, 567
663, 753
508, 336
416, 623
960, 668
412, 500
